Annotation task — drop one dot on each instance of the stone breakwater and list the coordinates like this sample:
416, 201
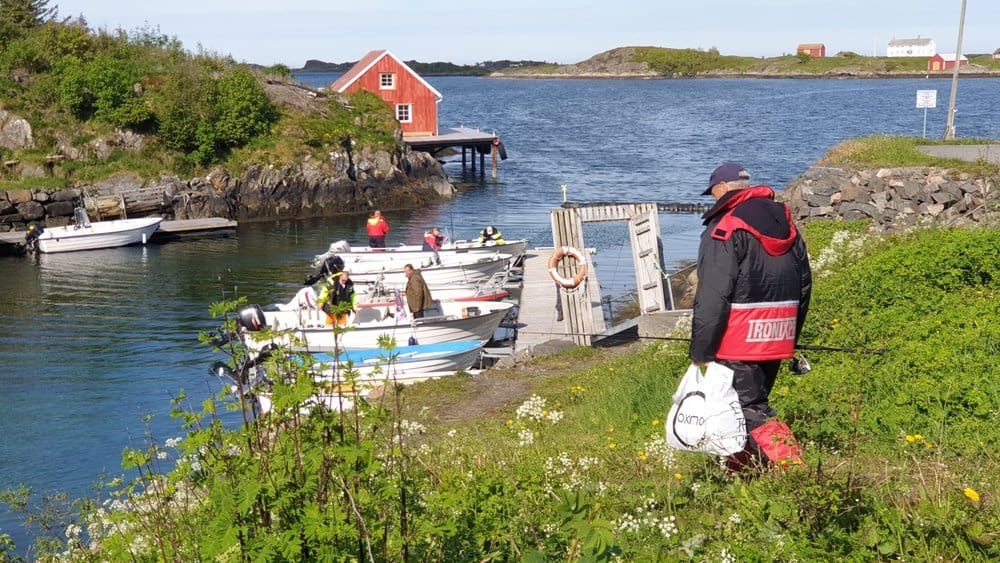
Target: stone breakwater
894, 198
346, 183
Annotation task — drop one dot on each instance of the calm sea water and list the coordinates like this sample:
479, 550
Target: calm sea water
94, 341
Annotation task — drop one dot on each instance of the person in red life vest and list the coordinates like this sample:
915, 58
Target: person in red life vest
433, 239
754, 285
377, 228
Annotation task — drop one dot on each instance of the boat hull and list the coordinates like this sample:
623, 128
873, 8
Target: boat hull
448, 274
308, 329
99, 234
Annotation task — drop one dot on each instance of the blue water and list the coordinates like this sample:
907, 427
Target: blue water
94, 341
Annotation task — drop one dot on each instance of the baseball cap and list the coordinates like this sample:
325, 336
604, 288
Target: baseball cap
728, 172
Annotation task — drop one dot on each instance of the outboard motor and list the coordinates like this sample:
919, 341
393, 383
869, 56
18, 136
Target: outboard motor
80, 217
252, 318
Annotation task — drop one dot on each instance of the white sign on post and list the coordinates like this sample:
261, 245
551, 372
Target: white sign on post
926, 99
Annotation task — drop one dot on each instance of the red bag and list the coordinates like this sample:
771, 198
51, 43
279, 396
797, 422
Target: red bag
775, 439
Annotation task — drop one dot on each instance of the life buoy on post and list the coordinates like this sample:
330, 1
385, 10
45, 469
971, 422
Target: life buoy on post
581, 267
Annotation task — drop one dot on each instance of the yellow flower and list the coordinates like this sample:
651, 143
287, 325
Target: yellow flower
611, 430
677, 476
656, 422
918, 437
910, 438
971, 494
641, 455
612, 446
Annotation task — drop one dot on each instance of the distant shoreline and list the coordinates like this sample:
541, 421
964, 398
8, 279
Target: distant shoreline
761, 75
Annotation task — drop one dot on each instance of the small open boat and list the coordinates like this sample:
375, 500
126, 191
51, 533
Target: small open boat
87, 235
414, 253
310, 329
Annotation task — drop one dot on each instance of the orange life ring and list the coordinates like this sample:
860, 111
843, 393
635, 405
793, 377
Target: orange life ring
581, 267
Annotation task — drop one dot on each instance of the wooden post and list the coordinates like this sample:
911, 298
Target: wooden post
493, 154
474, 151
482, 162
463, 157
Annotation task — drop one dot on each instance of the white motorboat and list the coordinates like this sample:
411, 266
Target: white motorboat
453, 270
373, 295
310, 329
405, 364
414, 253
88, 235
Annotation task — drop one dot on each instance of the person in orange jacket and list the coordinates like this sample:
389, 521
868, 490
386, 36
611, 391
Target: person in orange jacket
377, 227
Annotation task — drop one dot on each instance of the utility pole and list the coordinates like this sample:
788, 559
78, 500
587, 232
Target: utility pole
949, 131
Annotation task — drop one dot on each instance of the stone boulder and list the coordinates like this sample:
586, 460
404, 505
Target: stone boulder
15, 132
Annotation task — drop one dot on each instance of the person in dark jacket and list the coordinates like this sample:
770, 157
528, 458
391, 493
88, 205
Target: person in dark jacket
754, 285
418, 296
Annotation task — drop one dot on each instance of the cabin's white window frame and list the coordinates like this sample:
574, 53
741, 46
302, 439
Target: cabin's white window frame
387, 81
404, 113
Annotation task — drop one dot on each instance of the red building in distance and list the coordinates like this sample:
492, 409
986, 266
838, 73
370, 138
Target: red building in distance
817, 50
945, 61
413, 99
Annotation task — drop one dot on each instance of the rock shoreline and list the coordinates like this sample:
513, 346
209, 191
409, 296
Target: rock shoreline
894, 198
345, 184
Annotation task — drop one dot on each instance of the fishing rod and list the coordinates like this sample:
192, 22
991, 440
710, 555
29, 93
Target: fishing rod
808, 347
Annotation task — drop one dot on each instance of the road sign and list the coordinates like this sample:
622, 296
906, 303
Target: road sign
926, 98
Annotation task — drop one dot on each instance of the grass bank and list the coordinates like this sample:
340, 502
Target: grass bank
565, 459
888, 151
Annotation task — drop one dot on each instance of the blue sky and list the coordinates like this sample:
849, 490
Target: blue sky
291, 31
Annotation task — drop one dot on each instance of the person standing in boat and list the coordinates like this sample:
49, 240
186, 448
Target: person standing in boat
418, 296
338, 290
377, 228
433, 240
490, 236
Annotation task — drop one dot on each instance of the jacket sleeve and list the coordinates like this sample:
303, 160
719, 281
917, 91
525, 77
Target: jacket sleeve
805, 284
718, 266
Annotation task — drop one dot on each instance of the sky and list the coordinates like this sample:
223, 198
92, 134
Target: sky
292, 31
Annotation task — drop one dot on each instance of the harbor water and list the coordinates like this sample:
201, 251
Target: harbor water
93, 342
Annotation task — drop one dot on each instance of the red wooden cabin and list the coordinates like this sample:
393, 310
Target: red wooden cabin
817, 50
944, 61
414, 100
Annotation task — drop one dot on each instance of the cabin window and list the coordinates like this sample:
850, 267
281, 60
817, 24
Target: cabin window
403, 114
387, 81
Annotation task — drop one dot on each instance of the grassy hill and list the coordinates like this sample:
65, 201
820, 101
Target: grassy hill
101, 102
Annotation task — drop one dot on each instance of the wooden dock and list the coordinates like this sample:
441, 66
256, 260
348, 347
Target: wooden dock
537, 318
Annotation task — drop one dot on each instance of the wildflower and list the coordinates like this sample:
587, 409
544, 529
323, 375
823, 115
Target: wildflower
641, 455
726, 557
452, 433
971, 494
910, 438
161, 455
695, 486
173, 442
611, 430
678, 476
525, 437
612, 445
656, 422
918, 437
510, 422
735, 518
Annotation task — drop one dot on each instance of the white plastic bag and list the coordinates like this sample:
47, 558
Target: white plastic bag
706, 414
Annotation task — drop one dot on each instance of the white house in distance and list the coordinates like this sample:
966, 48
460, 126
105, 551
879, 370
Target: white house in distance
919, 47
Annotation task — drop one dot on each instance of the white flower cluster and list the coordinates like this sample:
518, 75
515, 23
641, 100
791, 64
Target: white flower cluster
411, 428
452, 433
735, 518
842, 246
534, 409
570, 472
525, 437
174, 442
657, 448
629, 523
725, 556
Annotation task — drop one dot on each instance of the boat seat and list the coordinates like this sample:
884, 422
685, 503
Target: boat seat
368, 315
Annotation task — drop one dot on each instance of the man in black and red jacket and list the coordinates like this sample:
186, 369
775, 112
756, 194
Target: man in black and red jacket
754, 284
